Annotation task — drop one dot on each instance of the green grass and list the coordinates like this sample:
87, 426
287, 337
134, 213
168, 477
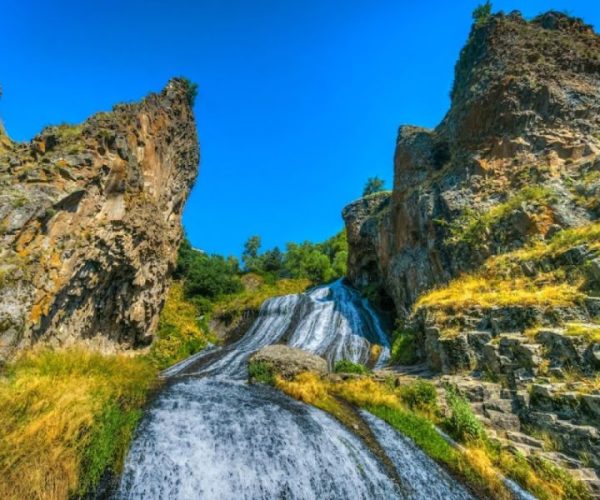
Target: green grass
462, 424
261, 372
347, 366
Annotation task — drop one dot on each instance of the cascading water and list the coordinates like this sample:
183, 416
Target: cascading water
211, 435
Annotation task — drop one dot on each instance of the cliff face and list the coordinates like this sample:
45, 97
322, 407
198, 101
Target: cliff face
513, 160
90, 224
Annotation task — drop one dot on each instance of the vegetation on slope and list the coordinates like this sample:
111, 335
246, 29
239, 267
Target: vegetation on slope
67, 419
535, 275
413, 410
180, 333
69, 415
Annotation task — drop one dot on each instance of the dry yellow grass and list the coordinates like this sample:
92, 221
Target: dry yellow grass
591, 333
468, 291
66, 416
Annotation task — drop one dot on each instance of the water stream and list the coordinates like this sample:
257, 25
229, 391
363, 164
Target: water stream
210, 435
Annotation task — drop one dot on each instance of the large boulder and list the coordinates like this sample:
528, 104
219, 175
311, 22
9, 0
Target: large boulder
289, 361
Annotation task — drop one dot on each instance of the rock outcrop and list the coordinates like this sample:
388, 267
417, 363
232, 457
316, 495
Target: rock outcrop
90, 224
525, 113
488, 247
289, 361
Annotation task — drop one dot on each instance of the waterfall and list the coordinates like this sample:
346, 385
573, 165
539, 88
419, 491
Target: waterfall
210, 435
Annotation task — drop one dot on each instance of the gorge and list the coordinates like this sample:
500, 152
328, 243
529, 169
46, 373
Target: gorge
445, 344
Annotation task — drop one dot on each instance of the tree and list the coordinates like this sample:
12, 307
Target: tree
250, 254
482, 12
373, 185
272, 260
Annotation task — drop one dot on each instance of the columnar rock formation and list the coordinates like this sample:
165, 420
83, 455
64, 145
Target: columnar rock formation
90, 223
525, 112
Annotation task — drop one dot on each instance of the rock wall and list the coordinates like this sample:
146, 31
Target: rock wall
524, 114
90, 223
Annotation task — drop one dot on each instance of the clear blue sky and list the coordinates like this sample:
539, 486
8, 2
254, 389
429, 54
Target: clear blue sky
299, 100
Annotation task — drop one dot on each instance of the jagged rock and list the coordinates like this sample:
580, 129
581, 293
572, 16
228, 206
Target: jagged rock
511, 108
90, 217
289, 361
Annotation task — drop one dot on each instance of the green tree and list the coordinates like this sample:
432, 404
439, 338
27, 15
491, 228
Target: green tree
272, 261
250, 254
482, 12
373, 185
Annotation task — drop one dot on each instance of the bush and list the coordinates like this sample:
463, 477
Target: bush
462, 423
261, 372
373, 185
347, 366
209, 276
404, 349
419, 395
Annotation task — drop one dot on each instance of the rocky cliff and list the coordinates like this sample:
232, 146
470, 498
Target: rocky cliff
488, 247
524, 114
90, 222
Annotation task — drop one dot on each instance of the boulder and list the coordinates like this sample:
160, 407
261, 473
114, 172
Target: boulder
289, 361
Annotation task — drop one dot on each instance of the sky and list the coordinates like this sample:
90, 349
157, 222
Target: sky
299, 100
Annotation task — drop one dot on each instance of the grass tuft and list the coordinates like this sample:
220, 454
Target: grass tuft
67, 417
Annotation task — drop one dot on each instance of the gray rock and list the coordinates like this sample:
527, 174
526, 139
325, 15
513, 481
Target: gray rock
289, 361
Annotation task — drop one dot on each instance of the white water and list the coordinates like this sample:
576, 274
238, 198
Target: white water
210, 435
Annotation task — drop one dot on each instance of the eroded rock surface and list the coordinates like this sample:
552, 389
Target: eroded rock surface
90, 224
524, 114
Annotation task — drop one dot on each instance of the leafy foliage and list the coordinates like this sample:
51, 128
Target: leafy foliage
206, 275
180, 333
347, 366
419, 395
462, 423
191, 90
373, 185
317, 262
259, 371
404, 349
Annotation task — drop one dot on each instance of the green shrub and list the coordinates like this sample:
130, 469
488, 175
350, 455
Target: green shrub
462, 424
404, 348
373, 185
261, 372
420, 395
347, 366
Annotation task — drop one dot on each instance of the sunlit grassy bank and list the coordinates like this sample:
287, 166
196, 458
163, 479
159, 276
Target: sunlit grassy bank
67, 418
413, 410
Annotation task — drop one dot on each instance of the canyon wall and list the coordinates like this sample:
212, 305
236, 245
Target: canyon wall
523, 129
